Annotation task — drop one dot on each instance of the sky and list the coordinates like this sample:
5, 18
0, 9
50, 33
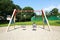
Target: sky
38, 4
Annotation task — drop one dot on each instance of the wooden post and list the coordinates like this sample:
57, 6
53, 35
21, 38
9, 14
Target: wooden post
14, 20
43, 18
11, 19
46, 19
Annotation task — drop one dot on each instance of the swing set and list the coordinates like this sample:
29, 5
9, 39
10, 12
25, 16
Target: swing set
13, 17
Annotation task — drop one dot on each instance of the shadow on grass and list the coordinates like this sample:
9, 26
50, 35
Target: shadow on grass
3, 25
58, 22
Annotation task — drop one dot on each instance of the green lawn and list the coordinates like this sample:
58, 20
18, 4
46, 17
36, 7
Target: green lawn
53, 22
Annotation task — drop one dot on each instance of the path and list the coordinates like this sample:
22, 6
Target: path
29, 34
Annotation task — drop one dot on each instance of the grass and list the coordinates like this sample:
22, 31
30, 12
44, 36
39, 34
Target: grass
53, 22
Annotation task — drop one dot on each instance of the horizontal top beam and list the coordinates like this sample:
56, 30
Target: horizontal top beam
28, 10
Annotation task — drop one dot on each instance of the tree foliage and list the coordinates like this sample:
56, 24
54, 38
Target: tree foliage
54, 11
7, 7
28, 14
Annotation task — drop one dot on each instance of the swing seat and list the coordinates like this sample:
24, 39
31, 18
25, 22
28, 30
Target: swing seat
34, 26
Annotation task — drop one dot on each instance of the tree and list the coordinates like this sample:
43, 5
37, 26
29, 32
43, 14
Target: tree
7, 7
54, 11
47, 13
28, 14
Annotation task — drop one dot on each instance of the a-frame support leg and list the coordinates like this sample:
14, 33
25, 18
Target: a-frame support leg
11, 20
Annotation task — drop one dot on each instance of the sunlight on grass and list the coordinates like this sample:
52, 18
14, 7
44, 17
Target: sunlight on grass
53, 22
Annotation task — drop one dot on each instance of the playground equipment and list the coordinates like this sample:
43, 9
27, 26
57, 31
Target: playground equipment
34, 26
14, 17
